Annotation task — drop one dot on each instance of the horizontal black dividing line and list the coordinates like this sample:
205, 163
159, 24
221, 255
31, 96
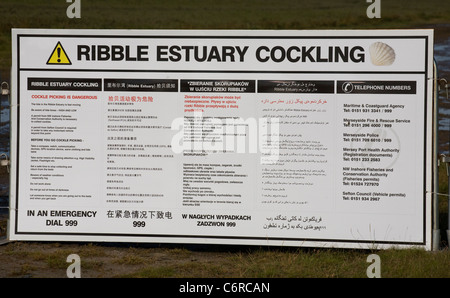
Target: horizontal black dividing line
222, 36
220, 237
220, 71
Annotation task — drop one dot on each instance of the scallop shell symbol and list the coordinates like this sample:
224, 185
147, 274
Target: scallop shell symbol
381, 54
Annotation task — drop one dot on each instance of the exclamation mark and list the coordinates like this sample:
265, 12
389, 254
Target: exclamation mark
59, 54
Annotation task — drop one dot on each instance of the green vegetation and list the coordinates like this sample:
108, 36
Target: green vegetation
137, 261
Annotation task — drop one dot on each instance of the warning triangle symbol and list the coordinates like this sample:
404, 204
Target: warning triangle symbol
59, 56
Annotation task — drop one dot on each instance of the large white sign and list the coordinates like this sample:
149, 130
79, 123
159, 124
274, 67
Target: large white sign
291, 138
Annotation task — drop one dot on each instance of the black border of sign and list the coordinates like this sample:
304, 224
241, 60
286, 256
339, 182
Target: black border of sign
19, 69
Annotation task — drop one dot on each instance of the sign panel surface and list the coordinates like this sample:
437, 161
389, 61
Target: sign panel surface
296, 138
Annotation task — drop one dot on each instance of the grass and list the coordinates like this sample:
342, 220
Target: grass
415, 264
